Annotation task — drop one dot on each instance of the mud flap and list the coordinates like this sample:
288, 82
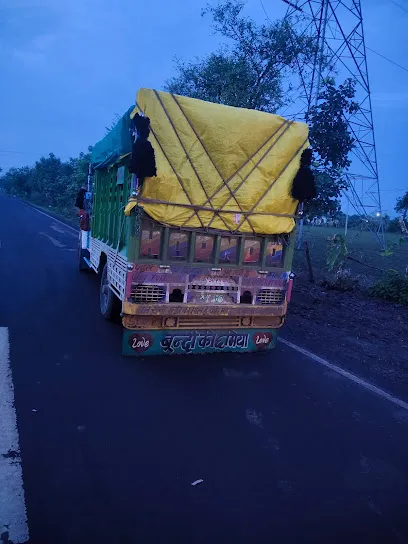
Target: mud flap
83, 250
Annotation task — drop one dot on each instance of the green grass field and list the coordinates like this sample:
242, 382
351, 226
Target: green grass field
363, 246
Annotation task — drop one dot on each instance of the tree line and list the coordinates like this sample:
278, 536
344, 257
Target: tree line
50, 182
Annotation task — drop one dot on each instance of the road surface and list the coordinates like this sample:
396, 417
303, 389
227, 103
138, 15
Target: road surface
289, 451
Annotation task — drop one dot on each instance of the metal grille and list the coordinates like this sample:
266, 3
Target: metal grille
208, 322
117, 272
116, 265
95, 251
271, 296
214, 287
147, 293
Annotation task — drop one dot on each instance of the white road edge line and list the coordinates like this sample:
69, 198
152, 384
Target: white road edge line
13, 517
56, 220
349, 375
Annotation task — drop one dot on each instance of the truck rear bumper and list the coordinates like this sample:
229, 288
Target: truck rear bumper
204, 310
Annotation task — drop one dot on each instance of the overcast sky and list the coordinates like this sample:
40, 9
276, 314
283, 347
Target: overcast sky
68, 66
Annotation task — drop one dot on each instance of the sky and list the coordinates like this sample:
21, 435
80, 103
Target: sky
68, 67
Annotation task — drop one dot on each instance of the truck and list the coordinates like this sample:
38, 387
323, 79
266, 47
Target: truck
191, 224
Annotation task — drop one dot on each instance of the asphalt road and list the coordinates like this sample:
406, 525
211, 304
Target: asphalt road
288, 451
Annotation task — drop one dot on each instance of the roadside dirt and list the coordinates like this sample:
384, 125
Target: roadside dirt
365, 336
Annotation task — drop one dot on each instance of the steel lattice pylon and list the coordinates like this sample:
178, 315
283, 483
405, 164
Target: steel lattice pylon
337, 26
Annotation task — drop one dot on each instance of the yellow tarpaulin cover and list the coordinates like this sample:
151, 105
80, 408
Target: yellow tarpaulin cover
220, 167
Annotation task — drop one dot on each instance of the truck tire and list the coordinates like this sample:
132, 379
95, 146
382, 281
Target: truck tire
109, 303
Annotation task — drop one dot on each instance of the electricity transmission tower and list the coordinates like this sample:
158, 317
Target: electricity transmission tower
337, 26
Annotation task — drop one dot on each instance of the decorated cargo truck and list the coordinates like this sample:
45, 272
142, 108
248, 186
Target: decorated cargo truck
192, 223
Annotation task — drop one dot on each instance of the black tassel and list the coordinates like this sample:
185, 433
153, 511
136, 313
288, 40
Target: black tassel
304, 185
79, 202
142, 162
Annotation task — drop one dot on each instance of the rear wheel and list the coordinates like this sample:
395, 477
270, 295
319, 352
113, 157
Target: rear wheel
108, 302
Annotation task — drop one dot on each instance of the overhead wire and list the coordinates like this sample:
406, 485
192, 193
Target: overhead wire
399, 5
368, 48
264, 10
387, 59
383, 56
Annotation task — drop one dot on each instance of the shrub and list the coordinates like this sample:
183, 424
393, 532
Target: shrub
337, 252
394, 225
393, 286
342, 281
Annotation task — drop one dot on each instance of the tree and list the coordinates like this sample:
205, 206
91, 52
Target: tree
340, 217
249, 71
394, 225
47, 179
50, 182
332, 142
326, 202
402, 205
17, 181
355, 221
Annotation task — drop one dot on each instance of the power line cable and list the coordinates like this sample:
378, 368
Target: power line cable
264, 10
400, 6
368, 48
392, 190
386, 58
